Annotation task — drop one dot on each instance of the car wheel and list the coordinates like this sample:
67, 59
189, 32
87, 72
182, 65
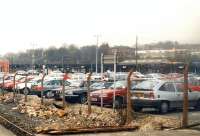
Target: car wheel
49, 94
26, 91
197, 107
164, 107
83, 99
118, 102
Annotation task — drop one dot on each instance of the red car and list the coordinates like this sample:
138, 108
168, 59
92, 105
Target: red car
10, 85
107, 94
7, 78
193, 84
194, 87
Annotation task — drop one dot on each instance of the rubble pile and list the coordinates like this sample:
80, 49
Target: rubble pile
7, 98
74, 117
33, 107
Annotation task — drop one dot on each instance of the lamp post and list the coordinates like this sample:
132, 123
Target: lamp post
102, 66
136, 59
33, 57
114, 93
97, 36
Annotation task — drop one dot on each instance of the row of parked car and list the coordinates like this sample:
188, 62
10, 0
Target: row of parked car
160, 91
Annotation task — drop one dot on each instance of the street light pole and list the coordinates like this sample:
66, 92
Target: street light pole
136, 56
33, 61
33, 57
114, 93
63, 63
97, 36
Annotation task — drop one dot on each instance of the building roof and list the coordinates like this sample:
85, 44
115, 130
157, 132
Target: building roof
149, 61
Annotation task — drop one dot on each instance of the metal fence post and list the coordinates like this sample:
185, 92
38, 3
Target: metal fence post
185, 97
3, 84
101, 99
129, 108
26, 88
14, 82
63, 92
88, 93
42, 99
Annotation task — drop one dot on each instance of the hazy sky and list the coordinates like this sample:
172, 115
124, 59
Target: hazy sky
53, 22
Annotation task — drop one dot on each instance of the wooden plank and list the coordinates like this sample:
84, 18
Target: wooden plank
90, 130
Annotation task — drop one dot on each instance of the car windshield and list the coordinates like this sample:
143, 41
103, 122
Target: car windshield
9, 78
119, 84
73, 83
22, 79
35, 81
145, 85
94, 85
47, 83
108, 84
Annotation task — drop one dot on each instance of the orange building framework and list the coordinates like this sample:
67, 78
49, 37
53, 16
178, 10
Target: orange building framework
4, 66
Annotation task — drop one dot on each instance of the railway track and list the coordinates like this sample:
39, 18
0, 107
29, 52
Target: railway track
19, 131
14, 128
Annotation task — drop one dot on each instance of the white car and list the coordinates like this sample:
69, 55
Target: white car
33, 72
96, 76
35, 81
75, 83
21, 72
162, 95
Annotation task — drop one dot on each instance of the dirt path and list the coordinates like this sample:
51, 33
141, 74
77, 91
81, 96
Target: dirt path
187, 132
5, 132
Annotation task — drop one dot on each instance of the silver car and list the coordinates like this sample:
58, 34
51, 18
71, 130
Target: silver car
162, 95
